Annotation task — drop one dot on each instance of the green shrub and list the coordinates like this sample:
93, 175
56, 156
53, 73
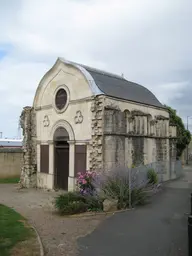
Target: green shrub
94, 203
118, 188
138, 197
70, 203
73, 208
113, 187
152, 176
74, 202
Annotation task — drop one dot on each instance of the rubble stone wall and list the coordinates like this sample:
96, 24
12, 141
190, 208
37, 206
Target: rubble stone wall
96, 144
29, 169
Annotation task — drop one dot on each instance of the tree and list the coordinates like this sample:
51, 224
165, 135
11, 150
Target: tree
183, 135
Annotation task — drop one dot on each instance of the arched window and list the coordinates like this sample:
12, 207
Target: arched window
61, 134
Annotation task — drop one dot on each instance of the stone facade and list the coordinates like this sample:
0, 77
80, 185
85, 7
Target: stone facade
135, 137
96, 143
29, 168
102, 132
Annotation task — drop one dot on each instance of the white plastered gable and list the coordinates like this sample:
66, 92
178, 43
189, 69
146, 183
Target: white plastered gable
62, 74
80, 94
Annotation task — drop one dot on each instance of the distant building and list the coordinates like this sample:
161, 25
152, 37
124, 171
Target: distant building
10, 143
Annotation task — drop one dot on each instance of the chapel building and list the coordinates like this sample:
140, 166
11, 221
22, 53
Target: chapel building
87, 119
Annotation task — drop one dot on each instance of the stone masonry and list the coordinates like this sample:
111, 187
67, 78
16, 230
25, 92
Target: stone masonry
96, 145
114, 140
127, 137
29, 170
118, 138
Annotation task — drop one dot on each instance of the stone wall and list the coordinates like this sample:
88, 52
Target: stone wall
134, 138
162, 148
10, 162
96, 144
29, 169
114, 137
137, 151
113, 151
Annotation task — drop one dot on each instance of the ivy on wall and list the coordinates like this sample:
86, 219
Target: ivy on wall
183, 135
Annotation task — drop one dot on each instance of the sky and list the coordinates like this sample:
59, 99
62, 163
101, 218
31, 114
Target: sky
149, 41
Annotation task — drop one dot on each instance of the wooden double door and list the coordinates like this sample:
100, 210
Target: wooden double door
61, 165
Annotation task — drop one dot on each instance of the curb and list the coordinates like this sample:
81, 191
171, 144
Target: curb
39, 241
95, 214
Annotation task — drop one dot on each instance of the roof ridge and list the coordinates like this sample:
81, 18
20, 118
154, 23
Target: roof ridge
97, 70
103, 72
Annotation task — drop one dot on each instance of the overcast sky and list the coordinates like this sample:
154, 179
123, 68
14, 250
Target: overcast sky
149, 41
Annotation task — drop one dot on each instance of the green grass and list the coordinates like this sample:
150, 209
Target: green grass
12, 230
12, 180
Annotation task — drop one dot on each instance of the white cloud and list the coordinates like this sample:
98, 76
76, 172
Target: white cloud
144, 39
170, 91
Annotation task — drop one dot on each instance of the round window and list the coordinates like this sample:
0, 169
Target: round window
61, 99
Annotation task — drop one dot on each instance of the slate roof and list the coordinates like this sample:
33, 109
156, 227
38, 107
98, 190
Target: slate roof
117, 86
102, 82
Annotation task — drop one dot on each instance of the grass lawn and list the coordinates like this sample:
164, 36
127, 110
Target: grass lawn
13, 230
12, 180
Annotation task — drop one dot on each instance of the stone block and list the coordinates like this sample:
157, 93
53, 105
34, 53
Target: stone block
110, 205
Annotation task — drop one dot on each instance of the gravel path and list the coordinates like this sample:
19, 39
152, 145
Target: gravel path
58, 234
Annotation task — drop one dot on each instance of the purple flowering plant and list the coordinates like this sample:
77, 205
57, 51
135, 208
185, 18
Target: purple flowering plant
85, 182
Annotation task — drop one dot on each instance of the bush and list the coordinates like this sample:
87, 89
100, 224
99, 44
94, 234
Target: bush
152, 176
116, 186
120, 191
70, 203
94, 203
73, 208
74, 202
138, 197
85, 182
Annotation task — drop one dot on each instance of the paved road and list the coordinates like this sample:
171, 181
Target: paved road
158, 229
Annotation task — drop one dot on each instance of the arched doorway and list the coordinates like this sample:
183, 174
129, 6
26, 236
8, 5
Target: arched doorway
61, 158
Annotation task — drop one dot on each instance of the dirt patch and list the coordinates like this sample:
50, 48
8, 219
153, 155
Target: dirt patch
27, 248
